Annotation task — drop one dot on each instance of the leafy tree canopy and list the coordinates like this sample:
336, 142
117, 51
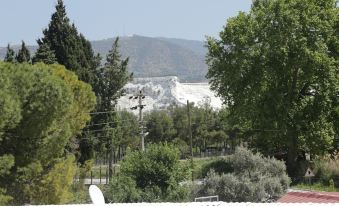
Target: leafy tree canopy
153, 175
160, 127
276, 68
37, 121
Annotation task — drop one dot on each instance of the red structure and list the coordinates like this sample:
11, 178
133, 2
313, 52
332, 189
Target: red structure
310, 197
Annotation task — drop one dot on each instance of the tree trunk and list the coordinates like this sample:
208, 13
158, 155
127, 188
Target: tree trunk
110, 163
292, 154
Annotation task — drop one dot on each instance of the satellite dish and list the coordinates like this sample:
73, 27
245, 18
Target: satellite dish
96, 195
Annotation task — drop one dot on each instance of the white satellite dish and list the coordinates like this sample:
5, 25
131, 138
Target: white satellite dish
96, 195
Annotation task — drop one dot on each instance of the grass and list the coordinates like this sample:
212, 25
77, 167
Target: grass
316, 187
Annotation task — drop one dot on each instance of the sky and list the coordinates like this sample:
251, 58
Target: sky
102, 19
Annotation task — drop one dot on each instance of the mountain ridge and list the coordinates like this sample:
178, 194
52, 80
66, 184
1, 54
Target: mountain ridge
154, 56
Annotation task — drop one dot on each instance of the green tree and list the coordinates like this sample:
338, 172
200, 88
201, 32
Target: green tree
37, 122
6, 163
111, 79
276, 68
44, 54
128, 129
10, 54
153, 175
159, 126
23, 54
180, 122
71, 49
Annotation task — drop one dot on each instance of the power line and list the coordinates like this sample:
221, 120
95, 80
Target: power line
107, 123
106, 112
107, 129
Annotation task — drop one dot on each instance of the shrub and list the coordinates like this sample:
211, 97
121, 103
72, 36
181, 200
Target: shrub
151, 176
326, 168
254, 178
123, 189
220, 165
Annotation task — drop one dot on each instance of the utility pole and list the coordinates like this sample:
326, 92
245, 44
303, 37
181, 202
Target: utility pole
110, 160
190, 135
140, 96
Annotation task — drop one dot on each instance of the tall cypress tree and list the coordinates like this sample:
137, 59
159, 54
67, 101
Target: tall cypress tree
23, 54
71, 48
44, 54
10, 54
112, 77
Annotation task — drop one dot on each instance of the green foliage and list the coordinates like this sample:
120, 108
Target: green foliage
318, 186
10, 55
54, 187
160, 127
199, 166
209, 127
327, 169
23, 54
254, 179
71, 49
276, 68
148, 176
112, 77
80, 193
38, 120
44, 54
219, 166
124, 189
180, 122
6, 163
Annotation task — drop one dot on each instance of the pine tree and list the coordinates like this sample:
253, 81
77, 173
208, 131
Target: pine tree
44, 54
71, 48
10, 55
23, 54
112, 77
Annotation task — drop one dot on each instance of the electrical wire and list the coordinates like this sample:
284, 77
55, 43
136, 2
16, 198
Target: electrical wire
107, 123
106, 112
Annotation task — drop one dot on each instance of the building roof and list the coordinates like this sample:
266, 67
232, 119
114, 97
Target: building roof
310, 197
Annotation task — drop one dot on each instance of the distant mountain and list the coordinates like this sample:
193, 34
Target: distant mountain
152, 57
193, 45
16, 48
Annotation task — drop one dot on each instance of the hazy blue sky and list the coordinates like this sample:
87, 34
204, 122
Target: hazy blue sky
99, 19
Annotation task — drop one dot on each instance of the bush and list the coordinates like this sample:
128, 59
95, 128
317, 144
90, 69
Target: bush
326, 168
220, 166
151, 176
254, 178
123, 189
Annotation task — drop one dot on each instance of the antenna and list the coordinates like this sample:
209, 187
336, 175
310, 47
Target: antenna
96, 195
